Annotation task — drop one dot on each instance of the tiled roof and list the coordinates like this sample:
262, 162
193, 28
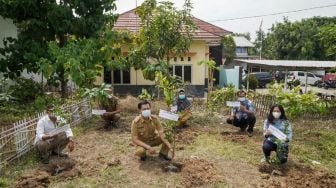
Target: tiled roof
130, 21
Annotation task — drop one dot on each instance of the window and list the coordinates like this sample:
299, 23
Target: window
182, 59
189, 58
107, 75
300, 73
184, 71
175, 59
240, 50
311, 75
121, 77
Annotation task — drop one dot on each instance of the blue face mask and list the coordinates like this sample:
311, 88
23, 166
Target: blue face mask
181, 96
146, 113
241, 99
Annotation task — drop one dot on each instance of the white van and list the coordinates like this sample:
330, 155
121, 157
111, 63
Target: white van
300, 75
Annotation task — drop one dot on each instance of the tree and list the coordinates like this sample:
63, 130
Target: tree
211, 67
42, 21
327, 35
297, 40
165, 32
258, 43
229, 48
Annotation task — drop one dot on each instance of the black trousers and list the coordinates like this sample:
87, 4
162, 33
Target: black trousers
270, 146
243, 123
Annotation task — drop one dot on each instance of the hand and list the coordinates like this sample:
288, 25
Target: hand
268, 133
243, 108
151, 150
71, 145
172, 152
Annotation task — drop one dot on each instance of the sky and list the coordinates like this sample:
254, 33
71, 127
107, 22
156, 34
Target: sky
212, 10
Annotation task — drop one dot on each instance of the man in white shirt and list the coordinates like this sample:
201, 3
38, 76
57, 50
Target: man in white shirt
46, 143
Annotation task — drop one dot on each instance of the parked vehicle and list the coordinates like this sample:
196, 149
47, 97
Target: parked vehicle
327, 84
263, 78
300, 75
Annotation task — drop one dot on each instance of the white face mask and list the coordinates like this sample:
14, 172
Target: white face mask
276, 115
241, 99
146, 113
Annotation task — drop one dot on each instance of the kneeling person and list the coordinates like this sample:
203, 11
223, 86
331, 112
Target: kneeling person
47, 144
183, 107
148, 132
243, 117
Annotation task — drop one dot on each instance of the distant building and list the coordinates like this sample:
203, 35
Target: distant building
206, 41
243, 46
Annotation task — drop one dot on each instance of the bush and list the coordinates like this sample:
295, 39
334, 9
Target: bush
26, 90
218, 98
253, 82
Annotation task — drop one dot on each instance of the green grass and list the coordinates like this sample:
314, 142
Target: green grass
106, 178
11, 172
214, 146
320, 147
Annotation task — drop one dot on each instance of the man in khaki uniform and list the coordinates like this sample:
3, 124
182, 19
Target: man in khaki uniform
148, 132
112, 114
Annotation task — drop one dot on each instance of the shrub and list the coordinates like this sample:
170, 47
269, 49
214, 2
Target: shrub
218, 98
26, 90
253, 82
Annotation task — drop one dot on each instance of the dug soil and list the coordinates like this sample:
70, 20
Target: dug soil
107, 157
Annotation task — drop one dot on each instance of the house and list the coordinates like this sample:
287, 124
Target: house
207, 38
242, 47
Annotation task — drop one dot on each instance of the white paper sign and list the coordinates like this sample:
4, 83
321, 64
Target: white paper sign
59, 130
277, 133
168, 115
233, 103
98, 112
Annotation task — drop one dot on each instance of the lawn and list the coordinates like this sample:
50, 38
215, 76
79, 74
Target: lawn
212, 152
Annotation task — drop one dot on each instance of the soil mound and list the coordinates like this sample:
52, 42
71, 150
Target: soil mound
296, 176
199, 172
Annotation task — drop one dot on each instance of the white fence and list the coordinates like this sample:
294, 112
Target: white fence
17, 139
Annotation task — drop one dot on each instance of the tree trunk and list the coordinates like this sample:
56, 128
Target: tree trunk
64, 82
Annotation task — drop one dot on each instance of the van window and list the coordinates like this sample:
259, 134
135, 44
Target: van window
300, 74
310, 75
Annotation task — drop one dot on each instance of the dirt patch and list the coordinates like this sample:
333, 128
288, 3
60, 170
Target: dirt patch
295, 176
32, 179
199, 172
239, 137
186, 137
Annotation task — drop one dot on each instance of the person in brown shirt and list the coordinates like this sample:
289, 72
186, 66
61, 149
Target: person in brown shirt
112, 114
147, 132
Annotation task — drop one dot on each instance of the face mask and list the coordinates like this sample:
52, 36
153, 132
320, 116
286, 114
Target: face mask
146, 113
181, 96
276, 115
241, 99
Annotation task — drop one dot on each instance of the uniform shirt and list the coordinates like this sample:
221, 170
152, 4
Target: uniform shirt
239, 114
182, 104
45, 125
112, 103
282, 125
146, 130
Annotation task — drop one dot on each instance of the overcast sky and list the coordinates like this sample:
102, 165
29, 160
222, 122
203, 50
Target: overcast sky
211, 10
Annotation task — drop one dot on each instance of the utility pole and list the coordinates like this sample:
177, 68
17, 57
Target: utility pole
261, 38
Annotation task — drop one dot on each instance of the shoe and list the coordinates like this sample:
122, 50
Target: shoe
265, 160
60, 154
165, 157
249, 133
143, 158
